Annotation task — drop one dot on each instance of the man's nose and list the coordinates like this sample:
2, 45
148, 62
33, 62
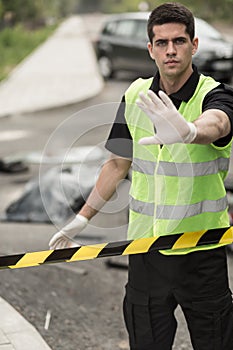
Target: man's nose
171, 50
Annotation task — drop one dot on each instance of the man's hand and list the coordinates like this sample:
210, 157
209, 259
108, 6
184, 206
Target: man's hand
170, 125
63, 238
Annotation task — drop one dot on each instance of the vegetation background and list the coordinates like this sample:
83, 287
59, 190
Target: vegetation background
38, 11
24, 24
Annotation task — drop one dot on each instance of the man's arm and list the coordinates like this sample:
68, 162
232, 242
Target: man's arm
212, 125
113, 171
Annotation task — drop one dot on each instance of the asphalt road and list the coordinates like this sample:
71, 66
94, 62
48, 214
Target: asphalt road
84, 298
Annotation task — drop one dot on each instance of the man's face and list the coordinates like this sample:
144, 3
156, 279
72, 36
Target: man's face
172, 49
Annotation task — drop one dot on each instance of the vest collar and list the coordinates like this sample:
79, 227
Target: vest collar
185, 92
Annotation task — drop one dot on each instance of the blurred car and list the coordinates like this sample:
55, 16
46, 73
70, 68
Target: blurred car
122, 46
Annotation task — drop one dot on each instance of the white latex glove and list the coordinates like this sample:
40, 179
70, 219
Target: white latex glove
170, 125
64, 238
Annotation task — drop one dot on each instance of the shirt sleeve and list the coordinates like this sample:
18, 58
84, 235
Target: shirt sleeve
119, 140
221, 98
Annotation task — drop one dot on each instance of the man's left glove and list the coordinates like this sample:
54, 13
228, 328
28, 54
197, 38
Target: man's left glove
170, 125
64, 238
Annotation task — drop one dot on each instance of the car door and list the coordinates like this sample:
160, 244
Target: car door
130, 47
143, 62
123, 53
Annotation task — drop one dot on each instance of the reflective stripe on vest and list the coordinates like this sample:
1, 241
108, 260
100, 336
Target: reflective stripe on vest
181, 169
178, 212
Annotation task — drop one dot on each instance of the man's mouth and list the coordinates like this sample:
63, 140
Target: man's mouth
171, 62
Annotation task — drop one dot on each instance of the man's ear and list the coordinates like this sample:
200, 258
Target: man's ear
195, 46
150, 49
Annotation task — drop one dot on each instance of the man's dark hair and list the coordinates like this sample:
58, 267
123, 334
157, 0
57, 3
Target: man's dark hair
171, 12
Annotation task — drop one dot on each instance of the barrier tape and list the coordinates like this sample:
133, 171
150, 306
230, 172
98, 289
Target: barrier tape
141, 245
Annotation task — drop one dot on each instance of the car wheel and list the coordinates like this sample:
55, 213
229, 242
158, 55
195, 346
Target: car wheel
105, 67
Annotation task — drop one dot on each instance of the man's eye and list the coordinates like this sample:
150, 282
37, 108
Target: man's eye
179, 41
161, 43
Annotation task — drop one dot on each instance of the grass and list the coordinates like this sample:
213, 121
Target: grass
18, 42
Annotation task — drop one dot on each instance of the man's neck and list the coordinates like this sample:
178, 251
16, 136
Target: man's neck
173, 84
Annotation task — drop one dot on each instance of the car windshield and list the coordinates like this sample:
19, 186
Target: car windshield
203, 29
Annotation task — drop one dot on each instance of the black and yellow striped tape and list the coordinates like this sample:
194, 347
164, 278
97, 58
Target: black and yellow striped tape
142, 245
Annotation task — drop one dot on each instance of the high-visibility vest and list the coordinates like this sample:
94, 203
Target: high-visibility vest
175, 188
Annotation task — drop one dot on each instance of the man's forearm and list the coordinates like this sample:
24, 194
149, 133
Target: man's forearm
211, 126
113, 171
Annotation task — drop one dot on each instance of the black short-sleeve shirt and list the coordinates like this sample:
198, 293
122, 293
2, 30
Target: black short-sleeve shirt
120, 141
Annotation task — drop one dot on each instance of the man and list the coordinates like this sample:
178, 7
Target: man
181, 131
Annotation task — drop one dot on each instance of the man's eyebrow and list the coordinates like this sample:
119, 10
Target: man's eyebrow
176, 38
161, 40
180, 37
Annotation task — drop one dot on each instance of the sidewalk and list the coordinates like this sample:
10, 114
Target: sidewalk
61, 71
16, 333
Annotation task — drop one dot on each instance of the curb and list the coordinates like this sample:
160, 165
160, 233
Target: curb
16, 333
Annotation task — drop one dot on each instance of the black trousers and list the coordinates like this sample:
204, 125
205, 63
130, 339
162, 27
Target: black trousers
198, 282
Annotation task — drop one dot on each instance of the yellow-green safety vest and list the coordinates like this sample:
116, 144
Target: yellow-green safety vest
177, 188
